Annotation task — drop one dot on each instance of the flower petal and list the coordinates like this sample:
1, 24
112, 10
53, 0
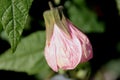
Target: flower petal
68, 51
51, 57
86, 45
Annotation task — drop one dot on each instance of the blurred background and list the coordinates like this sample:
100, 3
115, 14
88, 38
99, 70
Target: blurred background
98, 19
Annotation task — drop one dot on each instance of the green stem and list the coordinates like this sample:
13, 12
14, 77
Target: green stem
50, 5
61, 71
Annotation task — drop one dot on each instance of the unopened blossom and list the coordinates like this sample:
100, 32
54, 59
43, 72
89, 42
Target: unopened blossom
66, 46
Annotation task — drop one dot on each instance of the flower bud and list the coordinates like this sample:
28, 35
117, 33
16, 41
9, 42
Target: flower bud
66, 46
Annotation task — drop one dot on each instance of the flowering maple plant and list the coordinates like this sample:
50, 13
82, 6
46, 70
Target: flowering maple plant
66, 46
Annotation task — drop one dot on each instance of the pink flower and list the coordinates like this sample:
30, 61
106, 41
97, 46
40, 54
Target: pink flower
66, 46
66, 52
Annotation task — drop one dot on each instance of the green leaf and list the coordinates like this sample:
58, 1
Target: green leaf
28, 56
82, 17
13, 16
0, 27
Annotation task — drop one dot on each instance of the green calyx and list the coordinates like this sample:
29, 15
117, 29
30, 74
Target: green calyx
54, 16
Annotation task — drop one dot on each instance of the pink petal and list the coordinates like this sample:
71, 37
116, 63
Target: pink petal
51, 57
87, 53
68, 51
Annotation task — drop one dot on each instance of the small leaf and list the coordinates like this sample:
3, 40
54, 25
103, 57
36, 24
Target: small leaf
28, 56
13, 16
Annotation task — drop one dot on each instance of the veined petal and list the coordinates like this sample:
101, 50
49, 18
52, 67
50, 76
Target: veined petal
87, 53
50, 55
68, 51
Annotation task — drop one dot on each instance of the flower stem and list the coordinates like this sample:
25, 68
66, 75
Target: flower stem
50, 5
61, 71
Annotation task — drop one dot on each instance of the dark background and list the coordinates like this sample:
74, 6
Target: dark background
104, 44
